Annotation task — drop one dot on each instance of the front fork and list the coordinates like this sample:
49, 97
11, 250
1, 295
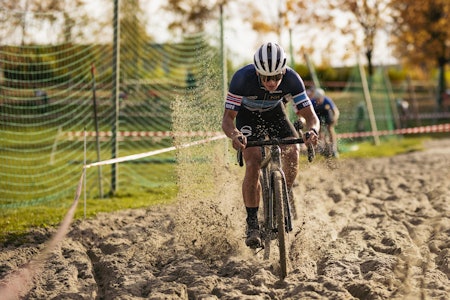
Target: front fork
276, 165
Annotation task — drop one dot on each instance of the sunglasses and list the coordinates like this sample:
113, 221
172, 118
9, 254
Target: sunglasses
265, 78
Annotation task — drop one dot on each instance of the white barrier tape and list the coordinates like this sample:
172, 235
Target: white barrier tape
413, 130
18, 283
155, 152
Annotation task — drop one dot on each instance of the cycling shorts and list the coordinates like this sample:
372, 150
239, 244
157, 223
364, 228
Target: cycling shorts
256, 125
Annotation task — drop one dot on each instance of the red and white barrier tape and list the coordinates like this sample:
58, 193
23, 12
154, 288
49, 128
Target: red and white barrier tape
121, 134
413, 130
72, 134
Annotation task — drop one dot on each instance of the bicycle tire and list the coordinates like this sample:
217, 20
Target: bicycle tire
267, 211
278, 196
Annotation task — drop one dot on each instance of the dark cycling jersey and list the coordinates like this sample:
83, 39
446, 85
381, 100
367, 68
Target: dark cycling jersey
245, 86
325, 110
261, 112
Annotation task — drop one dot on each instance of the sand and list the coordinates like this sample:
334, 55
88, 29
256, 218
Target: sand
373, 228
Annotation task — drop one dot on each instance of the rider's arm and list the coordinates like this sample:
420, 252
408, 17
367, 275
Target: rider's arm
230, 129
335, 109
312, 121
336, 113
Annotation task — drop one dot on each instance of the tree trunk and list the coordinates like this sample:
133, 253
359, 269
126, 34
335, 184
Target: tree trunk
441, 84
369, 62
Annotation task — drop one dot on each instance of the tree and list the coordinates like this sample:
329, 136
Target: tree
347, 17
13, 17
191, 16
70, 13
34, 14
134, 39
369, 16
422, 35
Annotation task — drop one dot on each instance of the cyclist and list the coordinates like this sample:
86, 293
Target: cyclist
254, 109
328, 114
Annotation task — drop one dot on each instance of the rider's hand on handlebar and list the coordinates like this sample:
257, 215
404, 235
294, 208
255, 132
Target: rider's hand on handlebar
239, 141
311, 137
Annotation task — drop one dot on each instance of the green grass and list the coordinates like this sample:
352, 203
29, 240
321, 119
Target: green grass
36, 194
15, 223
388, 147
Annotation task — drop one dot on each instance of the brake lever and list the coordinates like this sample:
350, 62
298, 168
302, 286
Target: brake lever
239, 154
239, 158
311, 151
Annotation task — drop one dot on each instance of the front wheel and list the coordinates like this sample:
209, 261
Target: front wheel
268, 223
278, 196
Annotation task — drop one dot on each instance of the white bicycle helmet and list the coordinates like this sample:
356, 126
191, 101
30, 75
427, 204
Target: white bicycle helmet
319, 93
270, 59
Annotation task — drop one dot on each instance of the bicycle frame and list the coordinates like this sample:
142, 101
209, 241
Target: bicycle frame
272, 163
276, 206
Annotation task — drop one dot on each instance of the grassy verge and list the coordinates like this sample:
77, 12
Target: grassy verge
14, 223
388, 147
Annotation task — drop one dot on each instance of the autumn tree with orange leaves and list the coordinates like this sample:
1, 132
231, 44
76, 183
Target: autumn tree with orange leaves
421, 35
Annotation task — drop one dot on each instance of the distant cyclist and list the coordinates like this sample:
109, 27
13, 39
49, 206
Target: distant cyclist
328, 114
254, 109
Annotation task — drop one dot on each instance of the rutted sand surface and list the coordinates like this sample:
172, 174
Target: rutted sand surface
368, 229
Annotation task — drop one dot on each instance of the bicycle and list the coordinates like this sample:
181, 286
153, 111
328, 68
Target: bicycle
277, 211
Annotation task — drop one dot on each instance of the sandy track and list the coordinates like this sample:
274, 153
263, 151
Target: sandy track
368, 229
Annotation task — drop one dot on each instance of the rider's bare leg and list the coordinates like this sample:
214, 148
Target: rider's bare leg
251, 187
333, 140
289, 158
251, 192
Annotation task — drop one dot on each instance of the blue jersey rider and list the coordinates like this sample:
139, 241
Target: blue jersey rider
328, 114
254, 109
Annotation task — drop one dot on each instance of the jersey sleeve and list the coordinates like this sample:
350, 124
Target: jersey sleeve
236, 91
300, 101
300, 98
233, 101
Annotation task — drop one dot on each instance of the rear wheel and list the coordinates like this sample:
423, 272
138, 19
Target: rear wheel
278, 196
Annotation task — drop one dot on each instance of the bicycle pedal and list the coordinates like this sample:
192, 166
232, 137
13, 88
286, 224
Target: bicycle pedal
260, 249
256, 247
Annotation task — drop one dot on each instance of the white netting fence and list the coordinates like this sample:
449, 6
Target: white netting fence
47, 94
